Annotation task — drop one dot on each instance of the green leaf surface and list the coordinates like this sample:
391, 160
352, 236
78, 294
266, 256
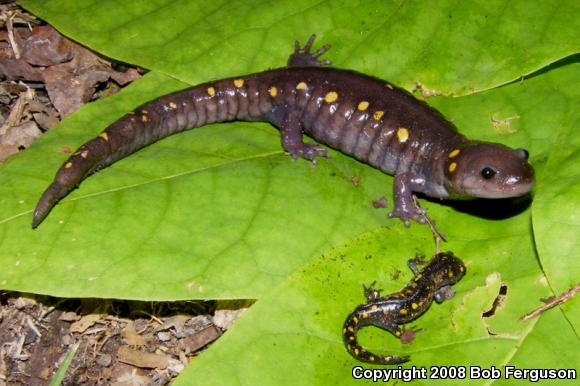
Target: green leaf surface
293, 334
216, 218
449, 46
219, 212
556, 209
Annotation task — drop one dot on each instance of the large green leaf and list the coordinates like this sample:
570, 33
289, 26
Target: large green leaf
298, 324
216, 218
292, 336
450, 46
220, 212
556, 209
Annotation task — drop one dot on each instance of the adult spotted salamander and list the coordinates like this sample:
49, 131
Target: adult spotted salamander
362, 116
389, 312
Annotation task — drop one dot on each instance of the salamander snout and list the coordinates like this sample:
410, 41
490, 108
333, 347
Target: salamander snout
488, 170
523, 154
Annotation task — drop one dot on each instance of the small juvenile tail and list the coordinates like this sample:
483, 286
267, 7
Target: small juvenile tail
349, 334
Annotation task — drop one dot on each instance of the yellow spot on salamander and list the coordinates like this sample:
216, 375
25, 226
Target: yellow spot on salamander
211, 91
414, 306
403, 311
344, 330
104, 136
331, 97
350, 329
452, 167
356, 351
450, 274
398, 333
454, 153
68, 165
378, 115
273, 91
403, 134
365, 315
374, 307
372, 358
238, 83
351, 337
84, 154
355, 320
172, 105
144, 118
301, 86
362, 106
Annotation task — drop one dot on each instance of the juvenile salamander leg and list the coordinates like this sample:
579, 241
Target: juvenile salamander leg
371, 293
415, 262
443, 294
387, 324
291, 137
302, 57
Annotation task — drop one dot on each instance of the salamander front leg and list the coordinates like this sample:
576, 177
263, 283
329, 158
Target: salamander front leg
443, 294
291, 137
302, 57
371, 293
415, 263
405, 208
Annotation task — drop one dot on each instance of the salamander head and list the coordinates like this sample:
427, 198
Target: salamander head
446, 268
488, 170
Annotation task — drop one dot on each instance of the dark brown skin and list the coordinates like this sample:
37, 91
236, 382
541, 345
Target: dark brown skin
388, 312
362, 116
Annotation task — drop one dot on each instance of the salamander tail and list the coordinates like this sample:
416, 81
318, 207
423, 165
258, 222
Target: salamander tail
349, 331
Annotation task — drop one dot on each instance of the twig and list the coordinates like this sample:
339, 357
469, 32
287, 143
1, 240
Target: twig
10, 29
553, 301
438, 236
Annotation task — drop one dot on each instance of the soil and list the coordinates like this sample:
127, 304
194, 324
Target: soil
114, 342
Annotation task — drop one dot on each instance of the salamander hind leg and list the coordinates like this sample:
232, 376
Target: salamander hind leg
302, 57
291, 135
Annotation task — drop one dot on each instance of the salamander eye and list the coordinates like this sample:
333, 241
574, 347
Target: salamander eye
487, 173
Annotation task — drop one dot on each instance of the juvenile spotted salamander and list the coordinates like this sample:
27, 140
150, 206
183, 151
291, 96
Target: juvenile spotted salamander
362, 116
389, 312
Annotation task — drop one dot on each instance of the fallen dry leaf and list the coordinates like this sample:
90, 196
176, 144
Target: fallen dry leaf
176, 322
45, 47
201, 338
84, 323
142, 359
69, 71
131, 337
132, 379
6, 151
224, 318
22, 135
